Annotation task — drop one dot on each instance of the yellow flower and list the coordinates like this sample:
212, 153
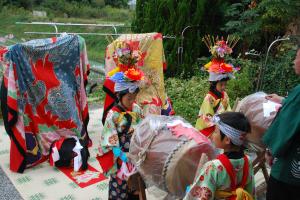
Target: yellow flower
112, 72
207, 66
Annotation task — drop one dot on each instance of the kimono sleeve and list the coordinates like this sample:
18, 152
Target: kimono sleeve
204, 186
228, 107
205, 113
109, 137
139, 112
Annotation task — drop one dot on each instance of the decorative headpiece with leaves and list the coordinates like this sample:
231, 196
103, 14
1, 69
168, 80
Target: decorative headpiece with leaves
219, 48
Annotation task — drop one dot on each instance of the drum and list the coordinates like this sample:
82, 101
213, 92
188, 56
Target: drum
260, 114
166, 151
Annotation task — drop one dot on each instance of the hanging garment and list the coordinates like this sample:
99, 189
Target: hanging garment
152, 97
43, 96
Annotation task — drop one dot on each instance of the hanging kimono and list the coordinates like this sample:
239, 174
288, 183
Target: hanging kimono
214, 182
43, 96
152, 98
117, 131
211, 105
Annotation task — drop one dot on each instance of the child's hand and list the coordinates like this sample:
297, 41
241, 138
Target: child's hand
131, 131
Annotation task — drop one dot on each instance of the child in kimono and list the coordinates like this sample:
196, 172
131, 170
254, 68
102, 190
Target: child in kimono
217, 100
230, 175
117, 131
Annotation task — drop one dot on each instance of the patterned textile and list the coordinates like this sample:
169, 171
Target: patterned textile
214, 177
152, 98
44, 90
114, 134
211, 105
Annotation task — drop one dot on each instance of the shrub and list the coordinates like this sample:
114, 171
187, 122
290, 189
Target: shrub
244, 82
98, 3
187, 95
279, 75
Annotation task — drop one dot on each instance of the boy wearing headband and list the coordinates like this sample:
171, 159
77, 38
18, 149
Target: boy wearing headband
230, 176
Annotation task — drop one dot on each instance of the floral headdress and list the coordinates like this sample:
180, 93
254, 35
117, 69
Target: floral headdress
125, 57
219, 48
128, 80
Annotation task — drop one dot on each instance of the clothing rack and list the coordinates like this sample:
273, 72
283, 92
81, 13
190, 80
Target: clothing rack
83, 33
56, 24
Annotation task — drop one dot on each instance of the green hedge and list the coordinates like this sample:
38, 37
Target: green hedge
279, 76
187, 95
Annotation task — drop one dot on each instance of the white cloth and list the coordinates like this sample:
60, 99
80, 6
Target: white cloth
78, 158
237, 137
217, 77
131, 86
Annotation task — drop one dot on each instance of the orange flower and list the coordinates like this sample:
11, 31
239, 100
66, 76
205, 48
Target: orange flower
219, 66
134, 74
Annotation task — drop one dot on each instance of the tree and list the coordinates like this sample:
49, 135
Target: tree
117, 3
258, 22
27, 4
171, 17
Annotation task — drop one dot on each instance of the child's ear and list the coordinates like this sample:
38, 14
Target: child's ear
227, 140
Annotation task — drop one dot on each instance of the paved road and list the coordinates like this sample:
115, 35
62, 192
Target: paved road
7, 190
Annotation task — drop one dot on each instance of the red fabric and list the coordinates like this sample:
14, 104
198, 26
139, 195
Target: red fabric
208, 131
158, 36
10, 117
116, 109
43, 84
229, 168
16, 158
245, 172
88, 179
106, 161
164, 66
54, 39
191, 133
3, 50
109, 100
232, 174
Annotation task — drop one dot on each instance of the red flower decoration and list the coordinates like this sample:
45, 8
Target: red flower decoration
196, 191
202, 193
201, 178
220, 168
219, 66
134, 74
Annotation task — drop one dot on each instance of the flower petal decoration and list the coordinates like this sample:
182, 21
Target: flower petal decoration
134, 74
118, 77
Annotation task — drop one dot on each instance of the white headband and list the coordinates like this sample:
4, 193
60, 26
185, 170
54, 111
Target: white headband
219, 76
237, 137
131, 86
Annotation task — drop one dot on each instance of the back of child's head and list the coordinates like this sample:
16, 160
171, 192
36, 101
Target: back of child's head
235, 120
